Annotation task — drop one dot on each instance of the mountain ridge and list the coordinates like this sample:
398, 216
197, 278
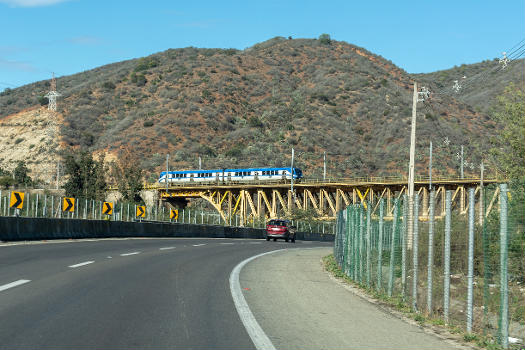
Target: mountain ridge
250, 107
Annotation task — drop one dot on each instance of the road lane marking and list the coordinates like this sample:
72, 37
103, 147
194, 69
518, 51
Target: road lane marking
166, 248
13, 284
198, 245
128, 254
257, 335
228, 243
81, 264
255, 242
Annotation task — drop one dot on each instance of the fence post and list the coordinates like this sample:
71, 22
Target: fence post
349, 241
415, 251
446, 268
361, 244
36, 207
470, 273
380, 246
28, 203
430, 264
368, 243
404, 230
503, 255
392, 249
355, 242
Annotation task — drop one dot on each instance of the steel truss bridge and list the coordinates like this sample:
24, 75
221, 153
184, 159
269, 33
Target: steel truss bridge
263, 200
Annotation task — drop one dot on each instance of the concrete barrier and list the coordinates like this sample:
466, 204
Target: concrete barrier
27, 229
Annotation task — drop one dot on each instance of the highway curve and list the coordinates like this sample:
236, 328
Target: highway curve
116, 294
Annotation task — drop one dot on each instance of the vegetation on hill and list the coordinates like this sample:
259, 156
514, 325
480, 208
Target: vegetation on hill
249, 108
480, 83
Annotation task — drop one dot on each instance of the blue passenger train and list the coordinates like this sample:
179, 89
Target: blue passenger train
230, 175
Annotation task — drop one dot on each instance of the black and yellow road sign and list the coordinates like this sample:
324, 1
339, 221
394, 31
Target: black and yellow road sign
107, 208
174, 214
68, 204
141, 211
17, 200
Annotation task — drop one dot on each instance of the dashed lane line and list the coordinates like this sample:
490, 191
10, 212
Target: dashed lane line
128, 254
81, 264
166, 248
13, 284
198, 245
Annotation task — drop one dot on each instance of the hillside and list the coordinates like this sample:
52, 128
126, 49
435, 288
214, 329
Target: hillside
482, 84
249, 108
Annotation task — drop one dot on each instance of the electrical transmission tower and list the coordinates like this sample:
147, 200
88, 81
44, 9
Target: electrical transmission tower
52, 95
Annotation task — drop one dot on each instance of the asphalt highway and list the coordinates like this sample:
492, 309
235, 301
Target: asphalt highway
116, 294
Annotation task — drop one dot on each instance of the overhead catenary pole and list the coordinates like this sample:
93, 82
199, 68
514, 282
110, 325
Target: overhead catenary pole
167, 171
291, 172
430, 168
324, 166
58, 173
461, 166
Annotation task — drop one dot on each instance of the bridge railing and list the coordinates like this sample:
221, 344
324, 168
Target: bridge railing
319, 181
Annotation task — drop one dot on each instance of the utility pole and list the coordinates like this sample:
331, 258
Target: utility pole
410, 221
324, 166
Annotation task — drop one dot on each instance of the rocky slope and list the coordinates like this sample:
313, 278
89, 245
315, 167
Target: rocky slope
249, 108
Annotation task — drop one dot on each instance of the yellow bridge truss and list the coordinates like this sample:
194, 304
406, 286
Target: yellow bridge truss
274, 200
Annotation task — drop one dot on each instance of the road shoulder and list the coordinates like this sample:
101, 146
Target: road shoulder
300, 306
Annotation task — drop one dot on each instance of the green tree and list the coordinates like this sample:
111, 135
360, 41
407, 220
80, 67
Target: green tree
86, 177
21, 174
509, 146
325, 39
128, 176
6, 181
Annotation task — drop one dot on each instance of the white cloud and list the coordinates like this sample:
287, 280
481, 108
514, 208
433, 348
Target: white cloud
17, 65
31, 3
85, 40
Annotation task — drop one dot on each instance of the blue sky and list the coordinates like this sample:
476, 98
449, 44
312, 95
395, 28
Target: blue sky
69, 36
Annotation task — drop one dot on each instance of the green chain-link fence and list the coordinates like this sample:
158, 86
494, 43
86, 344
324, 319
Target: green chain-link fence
467, 270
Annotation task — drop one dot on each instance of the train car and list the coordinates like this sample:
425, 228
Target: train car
230, 175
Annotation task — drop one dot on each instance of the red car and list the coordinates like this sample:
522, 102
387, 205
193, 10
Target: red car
282, 229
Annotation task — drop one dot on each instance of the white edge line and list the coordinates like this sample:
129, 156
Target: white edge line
13, 284
257, 335
166, 248
128, 254
81, 264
